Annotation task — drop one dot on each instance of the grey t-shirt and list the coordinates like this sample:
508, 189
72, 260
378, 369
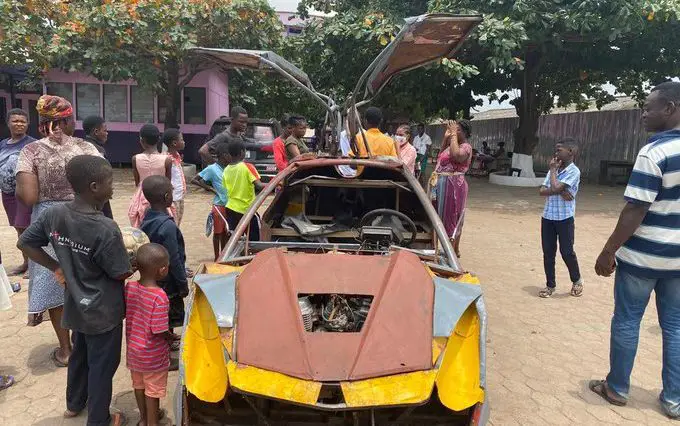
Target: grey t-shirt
212, 143
90, 251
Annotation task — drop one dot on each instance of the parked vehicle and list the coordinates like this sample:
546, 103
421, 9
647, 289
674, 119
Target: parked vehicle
353, 308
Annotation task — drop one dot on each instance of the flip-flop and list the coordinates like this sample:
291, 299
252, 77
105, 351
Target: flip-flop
118, 419
600, 387
56, 360
68, 414
6, 381
161, 415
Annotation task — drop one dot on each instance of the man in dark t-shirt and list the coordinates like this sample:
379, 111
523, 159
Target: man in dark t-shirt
237, 127
92, 265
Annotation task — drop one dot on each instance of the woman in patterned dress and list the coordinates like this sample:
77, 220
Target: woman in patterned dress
41, 183
449, 188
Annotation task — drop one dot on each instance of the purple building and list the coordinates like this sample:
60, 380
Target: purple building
126, 107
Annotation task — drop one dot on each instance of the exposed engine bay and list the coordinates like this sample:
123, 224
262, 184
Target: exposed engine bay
335, 313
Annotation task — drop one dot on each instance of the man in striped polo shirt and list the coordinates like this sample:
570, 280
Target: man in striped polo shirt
645, 251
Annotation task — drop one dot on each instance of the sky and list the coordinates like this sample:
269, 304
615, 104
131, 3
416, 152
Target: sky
284, 5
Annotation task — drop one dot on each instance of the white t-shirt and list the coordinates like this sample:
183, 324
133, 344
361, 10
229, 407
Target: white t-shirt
346, 171
421, 143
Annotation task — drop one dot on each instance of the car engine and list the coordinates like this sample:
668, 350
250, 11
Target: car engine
335, 313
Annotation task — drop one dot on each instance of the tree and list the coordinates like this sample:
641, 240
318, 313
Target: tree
336, 51
148, 40
26, 31
574, 47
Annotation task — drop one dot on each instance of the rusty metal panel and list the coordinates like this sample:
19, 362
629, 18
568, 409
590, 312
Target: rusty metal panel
397, 335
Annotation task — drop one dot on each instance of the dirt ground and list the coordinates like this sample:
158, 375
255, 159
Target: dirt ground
541, 353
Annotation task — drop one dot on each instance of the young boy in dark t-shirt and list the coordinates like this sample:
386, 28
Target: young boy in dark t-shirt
162, 229
92, 265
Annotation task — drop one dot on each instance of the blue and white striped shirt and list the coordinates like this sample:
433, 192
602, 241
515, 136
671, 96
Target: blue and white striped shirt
654, 249
557, 208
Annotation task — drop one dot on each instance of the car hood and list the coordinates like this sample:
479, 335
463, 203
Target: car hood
397, 335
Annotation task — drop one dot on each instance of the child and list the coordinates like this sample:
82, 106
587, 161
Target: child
96, 133
92, 264
162, 229
240, 184
560, 188
147, 333
174, 141
149, 163
211, 179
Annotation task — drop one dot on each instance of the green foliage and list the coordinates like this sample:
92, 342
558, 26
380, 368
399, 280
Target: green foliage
573, 47
148, 40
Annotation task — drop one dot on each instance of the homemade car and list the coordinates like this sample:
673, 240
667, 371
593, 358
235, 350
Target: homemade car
352, 308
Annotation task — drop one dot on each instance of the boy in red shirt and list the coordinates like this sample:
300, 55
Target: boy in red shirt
147, 332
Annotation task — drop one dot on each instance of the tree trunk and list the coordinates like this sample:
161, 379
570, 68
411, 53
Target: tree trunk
172, 98
529, 106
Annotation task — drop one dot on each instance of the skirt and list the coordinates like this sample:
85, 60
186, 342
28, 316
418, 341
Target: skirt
450, 198
44, 292
6, 291
18, 213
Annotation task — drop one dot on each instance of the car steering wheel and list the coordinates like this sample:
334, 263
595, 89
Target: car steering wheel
368, 217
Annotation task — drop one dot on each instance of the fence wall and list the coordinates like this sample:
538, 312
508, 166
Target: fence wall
601, 135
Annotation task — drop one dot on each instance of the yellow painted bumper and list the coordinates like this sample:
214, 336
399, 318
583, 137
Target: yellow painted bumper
209, 374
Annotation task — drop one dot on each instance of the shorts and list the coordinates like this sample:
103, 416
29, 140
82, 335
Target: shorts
178, 207
18, 213
176, 312
219, 224
233, 218
154, 383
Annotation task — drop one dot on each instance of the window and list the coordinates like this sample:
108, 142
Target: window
65, 90
162, 109
194, 105
141, 105
115, 103
88, 100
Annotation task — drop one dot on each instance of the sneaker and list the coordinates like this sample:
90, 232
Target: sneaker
546, 292
16, 287
672, 411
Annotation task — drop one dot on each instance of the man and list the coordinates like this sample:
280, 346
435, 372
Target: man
294, 144
422, 144
97, 134
237, 127
643, 249
378, 143
560, 187
278, 146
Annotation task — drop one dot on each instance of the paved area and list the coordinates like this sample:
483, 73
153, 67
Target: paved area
541, 352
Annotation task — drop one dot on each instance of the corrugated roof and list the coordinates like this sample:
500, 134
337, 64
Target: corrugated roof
620, 104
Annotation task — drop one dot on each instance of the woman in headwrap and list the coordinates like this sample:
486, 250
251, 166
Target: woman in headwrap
41, 183
449, 189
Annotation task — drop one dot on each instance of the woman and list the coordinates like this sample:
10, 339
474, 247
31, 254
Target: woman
41, 183
449, 188
5, 304
18, 214
407, 152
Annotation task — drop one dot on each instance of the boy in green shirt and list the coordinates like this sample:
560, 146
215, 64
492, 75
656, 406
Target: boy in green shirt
241, 185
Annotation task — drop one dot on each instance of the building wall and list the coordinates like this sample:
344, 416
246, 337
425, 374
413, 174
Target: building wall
124, 129
601, 135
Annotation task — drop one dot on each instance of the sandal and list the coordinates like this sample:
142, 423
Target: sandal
68, 414
601, 388
174, 346
576, 289
6, 381
118, 419
56, 360
546, 292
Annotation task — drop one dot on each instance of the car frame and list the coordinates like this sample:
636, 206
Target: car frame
248, 354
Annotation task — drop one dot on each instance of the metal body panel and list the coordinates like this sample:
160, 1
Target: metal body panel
270, 332
450, 302
221, 293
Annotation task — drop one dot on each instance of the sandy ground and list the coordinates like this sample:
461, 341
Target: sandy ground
541, 353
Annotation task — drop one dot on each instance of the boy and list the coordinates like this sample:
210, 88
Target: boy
560, 186
92, 265
174, 141
147, 333
241, 185
96, 133
211, 179
160, 227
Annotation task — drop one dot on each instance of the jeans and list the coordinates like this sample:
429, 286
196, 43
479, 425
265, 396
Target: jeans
551, 232
93, 363
631, 296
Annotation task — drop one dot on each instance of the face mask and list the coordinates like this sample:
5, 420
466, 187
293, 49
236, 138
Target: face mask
400, 138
